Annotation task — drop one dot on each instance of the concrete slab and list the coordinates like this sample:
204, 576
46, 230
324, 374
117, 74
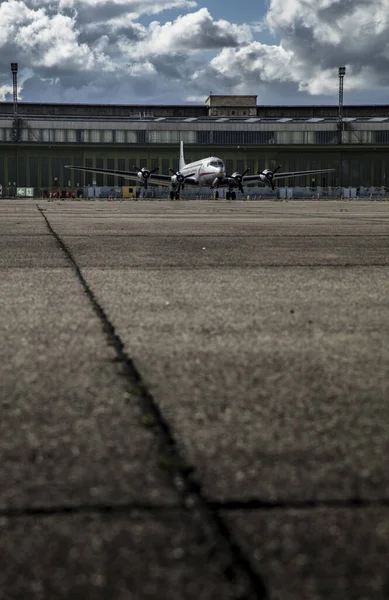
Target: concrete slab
261, 329
275, 381
70, 430
119, 556
319, 554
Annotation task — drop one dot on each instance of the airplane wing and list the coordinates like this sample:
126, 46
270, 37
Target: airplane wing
152, 177
267, 175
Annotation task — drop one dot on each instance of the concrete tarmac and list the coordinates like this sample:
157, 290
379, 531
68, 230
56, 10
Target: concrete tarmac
194, 400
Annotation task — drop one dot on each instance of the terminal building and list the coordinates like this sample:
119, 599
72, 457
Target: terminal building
37, 140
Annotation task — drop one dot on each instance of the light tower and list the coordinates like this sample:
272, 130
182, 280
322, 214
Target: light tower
14, 70
342, 73
15, 124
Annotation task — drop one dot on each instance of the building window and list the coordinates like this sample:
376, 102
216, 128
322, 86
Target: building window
34, 171
240, 166
229, 166
59, 135
141, 136
250, 166
94, 136
243, 137
33, 135
45, 179
120, 136
325, 137
89, 177
22, 171
121, 167
165, 166
111, 179
107, 136
47, 135
72, 135
381, 137
99, 177
203, 137
56, 172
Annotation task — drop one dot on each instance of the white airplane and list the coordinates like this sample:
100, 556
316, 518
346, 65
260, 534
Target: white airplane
207, 172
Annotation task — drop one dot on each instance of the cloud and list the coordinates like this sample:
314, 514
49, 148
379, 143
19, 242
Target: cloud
315, 38
326, 34
192, 33
109, 51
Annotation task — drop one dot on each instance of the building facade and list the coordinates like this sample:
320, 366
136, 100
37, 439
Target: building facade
38, 141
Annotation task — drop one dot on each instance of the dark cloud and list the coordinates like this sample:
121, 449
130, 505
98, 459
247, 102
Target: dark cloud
102, 51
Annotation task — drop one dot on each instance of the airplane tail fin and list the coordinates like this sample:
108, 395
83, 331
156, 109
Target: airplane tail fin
182, 159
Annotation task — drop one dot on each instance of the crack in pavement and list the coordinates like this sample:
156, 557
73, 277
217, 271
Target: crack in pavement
236, 567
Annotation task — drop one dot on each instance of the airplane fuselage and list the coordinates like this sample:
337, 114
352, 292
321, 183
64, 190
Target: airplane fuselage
204, 172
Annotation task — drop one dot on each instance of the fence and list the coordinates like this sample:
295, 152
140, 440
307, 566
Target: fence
163, 193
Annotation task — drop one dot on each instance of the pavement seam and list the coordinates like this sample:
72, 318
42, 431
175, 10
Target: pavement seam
236, 567
74, 510
254, 504
226, 505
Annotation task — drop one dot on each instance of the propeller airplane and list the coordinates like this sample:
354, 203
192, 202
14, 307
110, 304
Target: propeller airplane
207, 172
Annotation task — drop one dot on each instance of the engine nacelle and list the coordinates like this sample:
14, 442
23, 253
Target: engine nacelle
143, 174
267, 176
178, 178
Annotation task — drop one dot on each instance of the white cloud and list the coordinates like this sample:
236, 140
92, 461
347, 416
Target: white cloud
315, 38
103, 51
4, 91
193, 32
326, 34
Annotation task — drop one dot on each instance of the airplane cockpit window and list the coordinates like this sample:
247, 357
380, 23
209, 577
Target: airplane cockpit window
217, 163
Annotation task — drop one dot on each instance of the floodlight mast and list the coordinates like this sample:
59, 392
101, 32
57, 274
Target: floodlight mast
14, 70
342, 73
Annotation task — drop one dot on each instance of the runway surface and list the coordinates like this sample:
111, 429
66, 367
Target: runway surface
194, 400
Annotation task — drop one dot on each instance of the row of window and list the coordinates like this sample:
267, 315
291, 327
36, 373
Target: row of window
109, 136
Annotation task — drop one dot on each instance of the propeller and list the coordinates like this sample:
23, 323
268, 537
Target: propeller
238, 178
180, 178
269, 176
145, 174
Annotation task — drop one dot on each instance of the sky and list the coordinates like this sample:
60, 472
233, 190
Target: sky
178, 51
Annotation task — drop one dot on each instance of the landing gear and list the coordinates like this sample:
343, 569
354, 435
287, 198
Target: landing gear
216, 194
230, 196
174, 195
